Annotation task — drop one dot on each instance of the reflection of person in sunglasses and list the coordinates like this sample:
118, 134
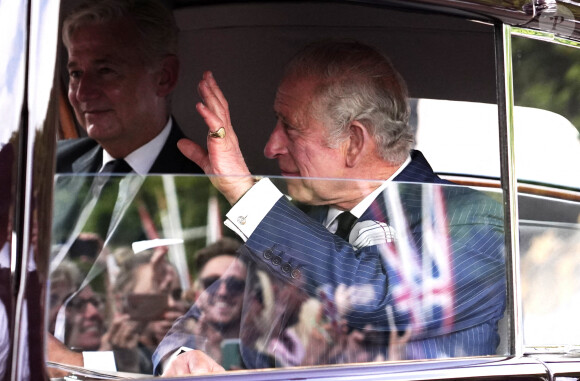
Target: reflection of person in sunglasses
223, 296
215, 320
223, 279
218, 294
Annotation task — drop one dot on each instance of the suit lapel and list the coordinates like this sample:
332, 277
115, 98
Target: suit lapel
377, 211
418, 171
165, 161
318, 213
170, 159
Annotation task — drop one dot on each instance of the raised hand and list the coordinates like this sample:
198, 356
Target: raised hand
223, 156
123, 333
192, 362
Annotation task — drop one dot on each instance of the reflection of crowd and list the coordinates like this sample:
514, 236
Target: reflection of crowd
243, 317
130, 309
238, 314
549, 254
130, 314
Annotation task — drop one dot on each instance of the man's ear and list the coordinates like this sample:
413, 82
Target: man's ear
168, 75
358, 138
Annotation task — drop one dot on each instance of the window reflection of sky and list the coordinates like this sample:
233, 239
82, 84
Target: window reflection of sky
547, 145
550, 285
12, 73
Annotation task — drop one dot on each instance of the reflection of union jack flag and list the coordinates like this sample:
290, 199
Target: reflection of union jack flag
419, 265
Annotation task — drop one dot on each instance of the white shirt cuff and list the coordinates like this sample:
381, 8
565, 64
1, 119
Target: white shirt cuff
167, 362
99, 360
245, 216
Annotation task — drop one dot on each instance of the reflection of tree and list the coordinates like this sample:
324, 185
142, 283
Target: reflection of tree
547, 76
192, 198
550, 286
192, 194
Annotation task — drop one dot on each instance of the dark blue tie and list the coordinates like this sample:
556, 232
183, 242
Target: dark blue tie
345, 223
117, 166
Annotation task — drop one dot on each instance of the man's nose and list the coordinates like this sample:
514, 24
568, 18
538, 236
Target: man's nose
86, 88
276, 144
91, 310
222, 289
173, 300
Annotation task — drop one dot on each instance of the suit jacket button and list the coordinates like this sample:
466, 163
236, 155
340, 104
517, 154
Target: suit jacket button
276, 260
296, 274
268, 254
286, 267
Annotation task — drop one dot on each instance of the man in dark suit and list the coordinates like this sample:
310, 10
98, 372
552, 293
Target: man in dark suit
123, 67
419, 259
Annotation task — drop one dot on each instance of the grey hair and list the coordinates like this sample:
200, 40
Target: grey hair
357, 83
155, 24
69, 272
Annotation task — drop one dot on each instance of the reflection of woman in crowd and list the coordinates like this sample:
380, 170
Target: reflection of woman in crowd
147, 297
84, 313
84, 321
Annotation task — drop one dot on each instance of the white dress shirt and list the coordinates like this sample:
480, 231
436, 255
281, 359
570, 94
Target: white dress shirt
142, 159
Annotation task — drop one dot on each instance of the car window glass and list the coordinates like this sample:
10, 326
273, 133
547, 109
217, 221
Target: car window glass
128, 260
121, 286
547, 146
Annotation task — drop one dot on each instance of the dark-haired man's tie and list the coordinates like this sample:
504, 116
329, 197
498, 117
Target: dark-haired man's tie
345, 223
117, 166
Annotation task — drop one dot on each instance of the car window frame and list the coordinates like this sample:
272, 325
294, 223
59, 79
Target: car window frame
508, 182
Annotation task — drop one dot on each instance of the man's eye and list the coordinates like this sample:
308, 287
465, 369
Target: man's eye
74, 74
287, 126
105, 70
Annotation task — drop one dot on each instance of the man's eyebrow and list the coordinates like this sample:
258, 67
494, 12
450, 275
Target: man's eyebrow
279, 115
100, 61
281, 118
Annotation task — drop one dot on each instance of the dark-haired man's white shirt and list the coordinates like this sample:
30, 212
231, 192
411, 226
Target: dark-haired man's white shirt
141, 160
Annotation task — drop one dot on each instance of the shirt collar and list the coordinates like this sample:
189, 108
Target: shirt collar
360, 208
142, 159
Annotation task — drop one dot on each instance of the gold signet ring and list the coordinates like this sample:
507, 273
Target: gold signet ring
220, 133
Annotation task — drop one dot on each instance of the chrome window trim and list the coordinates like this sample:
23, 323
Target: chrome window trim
570, 352
459, 368
20, 248
544, 36
509, 185
36, 128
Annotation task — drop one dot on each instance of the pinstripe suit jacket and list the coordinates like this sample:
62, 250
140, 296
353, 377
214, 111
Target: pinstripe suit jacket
296, 248
452, 311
